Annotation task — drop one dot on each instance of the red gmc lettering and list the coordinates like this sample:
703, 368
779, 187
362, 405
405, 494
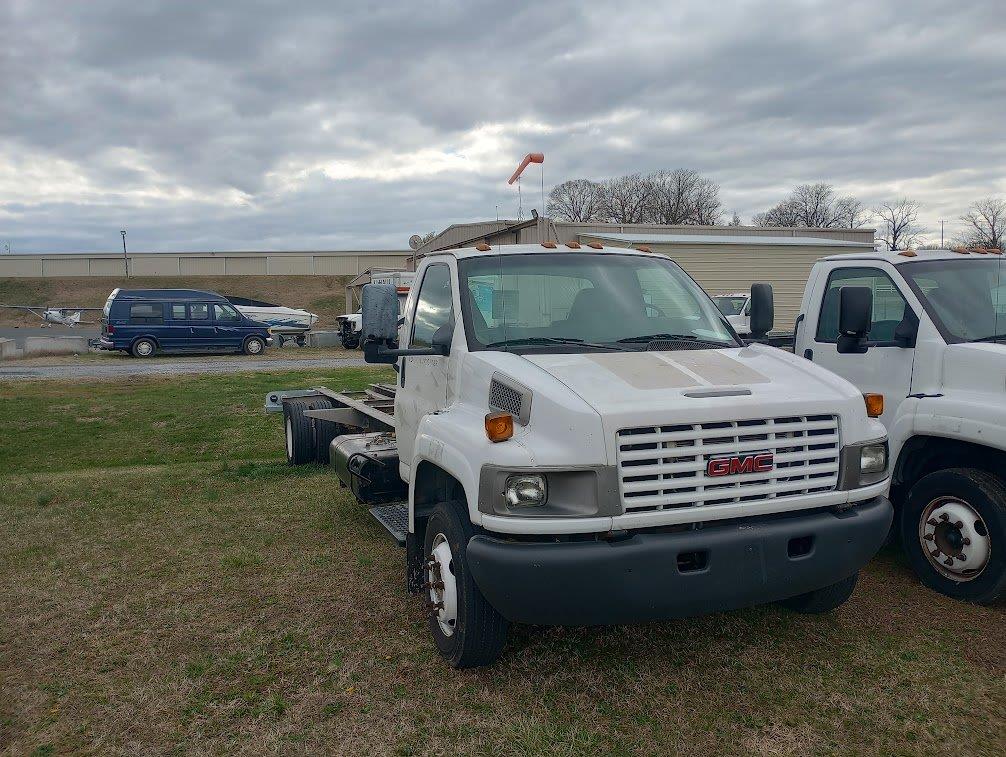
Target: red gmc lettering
729, 466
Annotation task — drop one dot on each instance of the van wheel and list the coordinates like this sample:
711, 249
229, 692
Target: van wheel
253, 345
143, 348
467, 630
825, 599
953, 530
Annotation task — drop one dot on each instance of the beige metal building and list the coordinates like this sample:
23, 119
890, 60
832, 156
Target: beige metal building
722, 259
268, 263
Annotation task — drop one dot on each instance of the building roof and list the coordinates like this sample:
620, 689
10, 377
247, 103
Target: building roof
735, 239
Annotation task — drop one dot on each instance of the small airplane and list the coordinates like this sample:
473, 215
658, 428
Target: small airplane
55, 316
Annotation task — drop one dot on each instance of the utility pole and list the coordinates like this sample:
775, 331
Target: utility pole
125, 257
941, 233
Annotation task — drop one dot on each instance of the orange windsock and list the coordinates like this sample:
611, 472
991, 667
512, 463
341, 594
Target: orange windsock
531, 157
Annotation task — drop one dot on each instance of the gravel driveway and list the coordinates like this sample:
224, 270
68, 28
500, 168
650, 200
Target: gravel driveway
169, 368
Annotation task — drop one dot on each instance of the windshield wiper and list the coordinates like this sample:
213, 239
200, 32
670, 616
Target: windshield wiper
993, 338
545, 340
671, 337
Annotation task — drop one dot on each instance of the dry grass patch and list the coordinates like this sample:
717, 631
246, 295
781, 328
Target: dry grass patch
225, 602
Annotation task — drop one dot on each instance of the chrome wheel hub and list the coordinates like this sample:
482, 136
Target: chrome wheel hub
954, 538
442, 585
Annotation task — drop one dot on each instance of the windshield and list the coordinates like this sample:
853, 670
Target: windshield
552, 301
966, 298
730, 305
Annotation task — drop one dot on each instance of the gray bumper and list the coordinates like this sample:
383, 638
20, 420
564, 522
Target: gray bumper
651, 576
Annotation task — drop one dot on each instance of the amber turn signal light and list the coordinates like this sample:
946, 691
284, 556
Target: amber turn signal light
499, 426
874, 405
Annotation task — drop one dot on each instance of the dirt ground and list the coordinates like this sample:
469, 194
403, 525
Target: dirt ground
324, 295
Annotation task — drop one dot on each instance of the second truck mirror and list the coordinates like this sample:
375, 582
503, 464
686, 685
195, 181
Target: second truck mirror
762, 310
855, 308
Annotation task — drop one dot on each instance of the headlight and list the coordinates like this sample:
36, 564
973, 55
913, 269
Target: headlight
526, 490
873, 458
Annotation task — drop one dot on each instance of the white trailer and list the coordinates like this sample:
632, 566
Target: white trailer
577, 436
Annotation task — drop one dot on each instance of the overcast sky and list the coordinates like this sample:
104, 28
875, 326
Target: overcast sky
237, 124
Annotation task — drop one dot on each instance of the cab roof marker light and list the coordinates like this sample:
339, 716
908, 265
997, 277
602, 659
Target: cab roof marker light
549, 245
482, 247
643, 248
909, 254
573, 244
595, 245
960, 251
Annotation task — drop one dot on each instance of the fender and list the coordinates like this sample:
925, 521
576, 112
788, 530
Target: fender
455, 441
976, 418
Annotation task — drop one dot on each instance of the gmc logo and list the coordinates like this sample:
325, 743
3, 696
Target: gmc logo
729, 466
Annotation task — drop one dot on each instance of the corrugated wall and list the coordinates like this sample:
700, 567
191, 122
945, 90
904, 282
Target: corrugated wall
278, 263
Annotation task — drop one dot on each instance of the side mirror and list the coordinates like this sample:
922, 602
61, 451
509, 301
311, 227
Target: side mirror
762, 310
855, 306
443, 337
906, 333
380, 328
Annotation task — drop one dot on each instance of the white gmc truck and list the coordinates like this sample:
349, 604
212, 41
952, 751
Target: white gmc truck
926, 332
577, 436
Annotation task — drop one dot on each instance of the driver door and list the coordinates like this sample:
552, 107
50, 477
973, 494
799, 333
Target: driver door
885, 368
422, 383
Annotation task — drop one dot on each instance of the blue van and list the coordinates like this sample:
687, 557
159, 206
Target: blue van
145, 321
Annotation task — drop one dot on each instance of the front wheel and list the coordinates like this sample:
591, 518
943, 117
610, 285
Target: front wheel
253, 345
953, 530
467, 630
824, 599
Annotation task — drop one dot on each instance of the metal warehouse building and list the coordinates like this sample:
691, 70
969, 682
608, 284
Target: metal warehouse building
721, 258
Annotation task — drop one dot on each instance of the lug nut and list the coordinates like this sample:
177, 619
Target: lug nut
959, 524
929, 537
944, 516
932, 522
967, 542
949, 561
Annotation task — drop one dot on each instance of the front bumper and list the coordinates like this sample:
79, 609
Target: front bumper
639, 579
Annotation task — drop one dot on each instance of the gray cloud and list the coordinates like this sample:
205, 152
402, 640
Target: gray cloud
258, 124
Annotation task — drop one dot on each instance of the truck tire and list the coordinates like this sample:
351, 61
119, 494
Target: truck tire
301, 445
143, 347
350, 342
952, 514
253, 345
324, 433
825, 599
467, 630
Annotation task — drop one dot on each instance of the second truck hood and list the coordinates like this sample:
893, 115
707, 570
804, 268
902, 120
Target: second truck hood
754, 381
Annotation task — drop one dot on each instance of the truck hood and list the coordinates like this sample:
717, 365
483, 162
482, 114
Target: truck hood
630, 389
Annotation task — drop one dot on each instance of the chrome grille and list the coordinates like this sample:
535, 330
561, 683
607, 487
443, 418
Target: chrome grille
665, 467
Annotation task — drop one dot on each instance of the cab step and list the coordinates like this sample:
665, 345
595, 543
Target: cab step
394, 518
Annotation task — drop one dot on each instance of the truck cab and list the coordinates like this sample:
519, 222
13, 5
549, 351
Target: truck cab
585, 440
931, 341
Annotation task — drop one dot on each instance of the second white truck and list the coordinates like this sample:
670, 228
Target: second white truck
926, 332
577, 436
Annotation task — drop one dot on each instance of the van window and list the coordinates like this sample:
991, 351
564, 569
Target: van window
146, 312
178, 312
226, 314
199, 311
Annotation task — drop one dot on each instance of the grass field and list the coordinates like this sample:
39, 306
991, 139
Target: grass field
324, 295
170, 586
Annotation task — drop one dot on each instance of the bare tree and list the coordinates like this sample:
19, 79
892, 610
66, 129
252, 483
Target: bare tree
626, 199
849, 212
985, 224
576, 200
814, 206
899, 230
735, 220
682, 196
